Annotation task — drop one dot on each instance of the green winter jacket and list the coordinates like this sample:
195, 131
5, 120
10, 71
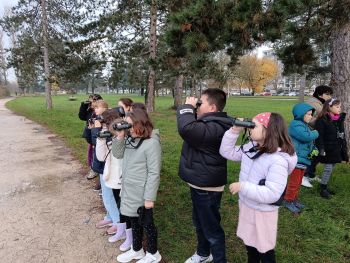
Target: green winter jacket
140, 171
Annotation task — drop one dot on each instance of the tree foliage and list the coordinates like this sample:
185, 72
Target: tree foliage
255, 73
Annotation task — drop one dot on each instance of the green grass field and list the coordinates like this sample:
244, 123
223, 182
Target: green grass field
320, 234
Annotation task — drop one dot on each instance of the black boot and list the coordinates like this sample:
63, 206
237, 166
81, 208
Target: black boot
324, 192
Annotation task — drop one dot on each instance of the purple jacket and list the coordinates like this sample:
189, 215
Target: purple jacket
274, 167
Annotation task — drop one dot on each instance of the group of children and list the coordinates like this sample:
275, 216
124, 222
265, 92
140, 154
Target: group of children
317, 133
273, 164
275, 154
128, 163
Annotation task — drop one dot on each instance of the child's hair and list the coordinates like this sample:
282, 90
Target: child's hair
216, 96
322, 89
142, 124
96, 97
326, 107
126, 101
277, 136
101, 104
109, 116
138, 105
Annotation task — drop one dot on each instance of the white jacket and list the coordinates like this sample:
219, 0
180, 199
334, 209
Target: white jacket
112, 173
273, 167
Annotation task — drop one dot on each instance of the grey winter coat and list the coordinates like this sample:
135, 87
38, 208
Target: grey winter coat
140, 172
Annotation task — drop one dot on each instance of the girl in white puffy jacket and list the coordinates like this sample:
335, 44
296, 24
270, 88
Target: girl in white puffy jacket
266, 162
112, 176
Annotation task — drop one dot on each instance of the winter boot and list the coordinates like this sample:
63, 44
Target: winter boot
324, 192
121, 234
128, 241
291, 207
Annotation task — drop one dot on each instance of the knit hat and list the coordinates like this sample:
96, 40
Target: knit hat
263, 118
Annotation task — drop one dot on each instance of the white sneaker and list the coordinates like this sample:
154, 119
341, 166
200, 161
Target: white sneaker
315, 179
91, 175
150, 258
305, 182
199, 259
130, 255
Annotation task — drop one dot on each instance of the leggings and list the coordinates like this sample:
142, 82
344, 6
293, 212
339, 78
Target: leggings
254, 256
327, 172
137, 234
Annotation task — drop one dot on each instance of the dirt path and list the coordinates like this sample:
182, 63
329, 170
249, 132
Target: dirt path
47, 208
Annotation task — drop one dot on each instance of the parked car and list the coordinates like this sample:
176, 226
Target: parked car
292, 94
266, 93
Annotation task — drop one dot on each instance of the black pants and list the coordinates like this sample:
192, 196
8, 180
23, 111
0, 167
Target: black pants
137, 235
311, 169
254, 256
123, 219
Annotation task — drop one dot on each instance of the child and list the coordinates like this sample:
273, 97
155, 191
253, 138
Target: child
265, 164
126, 103
112, 176
86, 112
331, 142
112, 217
302, 138
141, 155
321, 94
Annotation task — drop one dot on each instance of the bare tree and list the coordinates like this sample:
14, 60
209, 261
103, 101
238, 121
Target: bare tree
46, 56
153, 53
3, 65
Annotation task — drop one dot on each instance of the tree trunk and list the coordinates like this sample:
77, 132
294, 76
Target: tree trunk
178, 91
302, 87
340, 56
153, 52
46, 56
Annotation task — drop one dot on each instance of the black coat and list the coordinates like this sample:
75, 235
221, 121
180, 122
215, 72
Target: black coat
329, 140
201, 163
86, 113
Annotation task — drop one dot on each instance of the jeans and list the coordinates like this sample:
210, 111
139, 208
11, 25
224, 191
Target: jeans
206, 219
109, 202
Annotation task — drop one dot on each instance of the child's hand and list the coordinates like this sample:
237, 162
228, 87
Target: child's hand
235, 187
97, 124
192, 101
237, 129
149, 204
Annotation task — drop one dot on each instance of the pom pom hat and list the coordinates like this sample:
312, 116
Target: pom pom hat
263, 118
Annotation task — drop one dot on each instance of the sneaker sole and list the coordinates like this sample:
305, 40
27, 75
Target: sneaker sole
126, 249
110, 240
135, 258
104, 226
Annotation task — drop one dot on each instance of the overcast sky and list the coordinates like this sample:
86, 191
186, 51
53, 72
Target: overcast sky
4, 4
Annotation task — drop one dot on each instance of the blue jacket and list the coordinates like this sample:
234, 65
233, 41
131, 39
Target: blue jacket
302, 136
96, 166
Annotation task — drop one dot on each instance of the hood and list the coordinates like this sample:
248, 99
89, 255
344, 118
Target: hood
300, 109
155, 135
291, 160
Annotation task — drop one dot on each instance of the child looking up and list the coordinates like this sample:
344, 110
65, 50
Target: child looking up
331, 142
266, 162
141, 152
302, 138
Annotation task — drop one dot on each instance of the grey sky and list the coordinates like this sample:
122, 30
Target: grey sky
3, 5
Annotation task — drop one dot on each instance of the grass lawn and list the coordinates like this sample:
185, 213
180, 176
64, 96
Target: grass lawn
320, 234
